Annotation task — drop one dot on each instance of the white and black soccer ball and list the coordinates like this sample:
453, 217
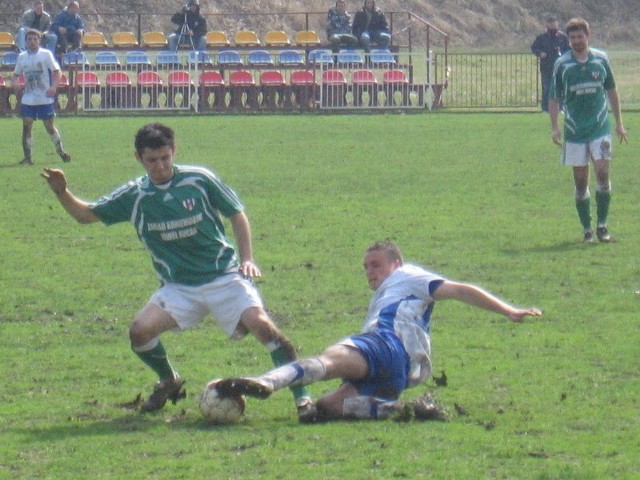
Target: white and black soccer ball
220, 410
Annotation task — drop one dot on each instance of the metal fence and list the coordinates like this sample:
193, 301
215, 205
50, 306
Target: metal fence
512, 81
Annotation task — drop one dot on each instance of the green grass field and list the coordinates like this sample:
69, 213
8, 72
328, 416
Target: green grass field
476, 197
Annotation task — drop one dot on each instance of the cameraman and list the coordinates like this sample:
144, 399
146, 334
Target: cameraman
192, 30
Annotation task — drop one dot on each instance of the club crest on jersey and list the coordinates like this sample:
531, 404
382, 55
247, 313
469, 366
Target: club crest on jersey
189, 204
595, 75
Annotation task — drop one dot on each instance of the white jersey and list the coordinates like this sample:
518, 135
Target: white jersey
37, 68
403, 304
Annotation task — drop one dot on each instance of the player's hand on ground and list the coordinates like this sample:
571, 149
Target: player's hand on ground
56, 180
250, 269
622, 134
517, 315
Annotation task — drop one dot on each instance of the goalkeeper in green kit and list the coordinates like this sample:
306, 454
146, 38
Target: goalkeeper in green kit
176, 210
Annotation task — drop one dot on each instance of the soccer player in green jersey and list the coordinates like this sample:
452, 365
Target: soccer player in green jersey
176, 210
583, 82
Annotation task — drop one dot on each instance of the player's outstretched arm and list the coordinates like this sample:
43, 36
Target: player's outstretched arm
75, 207
478, 297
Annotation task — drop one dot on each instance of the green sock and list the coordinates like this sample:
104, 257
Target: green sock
584, 212
602, 206
157, 360
279, 358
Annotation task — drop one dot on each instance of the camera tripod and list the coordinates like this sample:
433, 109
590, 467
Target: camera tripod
184, 32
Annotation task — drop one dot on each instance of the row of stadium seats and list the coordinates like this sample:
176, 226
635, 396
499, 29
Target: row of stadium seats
169, 59
215, 39
270, 89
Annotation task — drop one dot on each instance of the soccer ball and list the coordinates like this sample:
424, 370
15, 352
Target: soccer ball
220, 410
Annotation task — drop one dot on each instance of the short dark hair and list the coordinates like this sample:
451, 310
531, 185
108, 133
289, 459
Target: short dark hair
154, 135
390, 249
577, 25
34, 33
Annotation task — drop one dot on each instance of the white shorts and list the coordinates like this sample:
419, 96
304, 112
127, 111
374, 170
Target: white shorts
579, 154
225, 299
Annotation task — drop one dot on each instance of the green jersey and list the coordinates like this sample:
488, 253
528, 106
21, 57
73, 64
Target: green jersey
178, 222
582, 89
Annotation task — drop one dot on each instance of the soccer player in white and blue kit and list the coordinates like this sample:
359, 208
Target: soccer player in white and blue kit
177, 212
393, 351
41, 75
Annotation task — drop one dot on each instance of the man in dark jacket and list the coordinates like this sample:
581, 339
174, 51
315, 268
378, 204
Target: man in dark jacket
370, 27
192, 28
69, 27
548, 47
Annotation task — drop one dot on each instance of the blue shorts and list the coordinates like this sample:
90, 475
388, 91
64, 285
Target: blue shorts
388, 364
37, 112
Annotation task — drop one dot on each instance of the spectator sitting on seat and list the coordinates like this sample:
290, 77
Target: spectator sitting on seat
370, 27
192, 30
339, 27
69, 27
40, 20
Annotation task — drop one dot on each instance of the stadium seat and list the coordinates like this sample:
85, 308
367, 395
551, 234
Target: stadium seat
290, 58
275, 91
349, 58
307, 38
7, 41
63, 89
118, 91
276, 38
229, 58
124, 40
217, 39
167, 59
246, 38
154, 40
395, 81
211, 83
8, 60
106, 60
74, 59
364, 81
199, 59
334, 89
136, 59
88, 84
304, 87
179, 82
321, 56
151, 83
259, 58
382, 58
242, 86
94, 40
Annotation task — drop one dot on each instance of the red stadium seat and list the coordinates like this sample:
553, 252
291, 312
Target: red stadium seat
212, 83
304, 86
395, 81
364, 81
242, 86
150, 83
179, 82
118, 91
334, 89
275, 91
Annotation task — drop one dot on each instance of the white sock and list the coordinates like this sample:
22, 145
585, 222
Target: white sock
368, 408
302, 372
57, 141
